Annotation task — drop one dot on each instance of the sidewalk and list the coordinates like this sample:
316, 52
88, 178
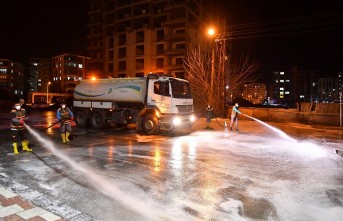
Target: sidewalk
15, 208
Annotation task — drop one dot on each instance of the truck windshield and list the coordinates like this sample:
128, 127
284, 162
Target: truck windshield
180, 89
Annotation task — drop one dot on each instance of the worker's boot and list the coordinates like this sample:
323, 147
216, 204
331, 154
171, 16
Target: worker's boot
15, 148
25, 145
67, 136
63, 138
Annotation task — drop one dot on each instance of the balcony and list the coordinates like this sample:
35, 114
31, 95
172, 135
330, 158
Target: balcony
173, 67
175, 51
174, 21
173, 37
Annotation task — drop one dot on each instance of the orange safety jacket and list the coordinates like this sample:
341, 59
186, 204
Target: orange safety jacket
16, 117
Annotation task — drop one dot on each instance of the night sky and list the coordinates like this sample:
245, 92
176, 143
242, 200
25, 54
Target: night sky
42, 28
279, 34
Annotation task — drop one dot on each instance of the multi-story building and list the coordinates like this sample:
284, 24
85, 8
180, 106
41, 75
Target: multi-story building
304, 84
12, 80
281, 86
66, 70
256, 93
328, 89
129, 38
39, 74
295, 85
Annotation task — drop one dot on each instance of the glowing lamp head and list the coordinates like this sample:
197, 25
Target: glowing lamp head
210, 32
177, 121
192, 118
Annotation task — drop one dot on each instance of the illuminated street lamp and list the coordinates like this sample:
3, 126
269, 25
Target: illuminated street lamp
47, 92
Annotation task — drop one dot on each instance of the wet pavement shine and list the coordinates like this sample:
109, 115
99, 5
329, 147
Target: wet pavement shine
197, 174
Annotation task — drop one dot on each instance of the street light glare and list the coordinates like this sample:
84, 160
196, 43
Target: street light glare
211, 31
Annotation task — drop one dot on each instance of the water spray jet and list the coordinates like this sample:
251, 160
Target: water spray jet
281, 133
102, 185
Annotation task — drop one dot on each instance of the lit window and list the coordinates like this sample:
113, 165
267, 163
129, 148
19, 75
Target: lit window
277, 81
287, 80
281, 88
286, 92
80, 65
35, 64
282, 81
281, 93
281, 96
282, 73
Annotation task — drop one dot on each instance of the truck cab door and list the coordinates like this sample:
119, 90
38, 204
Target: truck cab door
159, 95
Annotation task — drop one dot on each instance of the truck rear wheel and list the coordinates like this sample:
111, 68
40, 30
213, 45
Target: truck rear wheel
81, 119
97, 121
150, 124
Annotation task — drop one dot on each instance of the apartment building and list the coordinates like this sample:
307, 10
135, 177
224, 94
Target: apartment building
256, 93
130, 38
281, 86
66, 70
39, 74
295, 84
328, 89
12, 79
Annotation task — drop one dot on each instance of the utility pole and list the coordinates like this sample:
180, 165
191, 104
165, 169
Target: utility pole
340, 108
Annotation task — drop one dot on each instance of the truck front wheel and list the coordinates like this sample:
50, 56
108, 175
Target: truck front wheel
81, 119
150, 124
97, 120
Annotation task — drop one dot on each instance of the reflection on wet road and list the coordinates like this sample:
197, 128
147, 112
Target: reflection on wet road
205, 175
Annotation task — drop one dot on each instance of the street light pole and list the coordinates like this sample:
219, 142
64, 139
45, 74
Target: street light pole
47, 92
212, 76
340, 108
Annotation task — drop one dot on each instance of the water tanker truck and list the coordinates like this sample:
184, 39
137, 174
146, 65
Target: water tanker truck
153, 102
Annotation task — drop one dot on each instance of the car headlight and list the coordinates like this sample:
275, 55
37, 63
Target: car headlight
176, 121
192, 118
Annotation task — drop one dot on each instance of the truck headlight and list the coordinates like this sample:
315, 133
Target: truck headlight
176, 121
192, 118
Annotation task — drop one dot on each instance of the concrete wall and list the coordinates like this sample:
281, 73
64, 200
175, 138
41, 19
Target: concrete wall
291, 115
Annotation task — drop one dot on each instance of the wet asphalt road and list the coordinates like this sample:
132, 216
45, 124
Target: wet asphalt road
112, 174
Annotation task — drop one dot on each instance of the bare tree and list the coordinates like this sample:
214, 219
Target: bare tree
229, 76
197, 64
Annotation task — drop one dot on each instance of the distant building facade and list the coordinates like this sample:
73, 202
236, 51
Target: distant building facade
39, 74
12, 79
256, 93
328, 89
295, 85
66, 70
132, 38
